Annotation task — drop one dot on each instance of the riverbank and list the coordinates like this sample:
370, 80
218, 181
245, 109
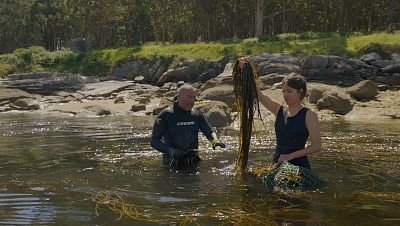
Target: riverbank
350, 89
105, 62
383, 107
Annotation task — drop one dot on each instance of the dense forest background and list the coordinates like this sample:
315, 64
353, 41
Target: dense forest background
123, 23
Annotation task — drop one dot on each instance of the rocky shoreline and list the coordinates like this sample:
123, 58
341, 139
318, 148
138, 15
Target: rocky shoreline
366, 89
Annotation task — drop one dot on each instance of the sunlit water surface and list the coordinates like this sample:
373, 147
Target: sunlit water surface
51, 166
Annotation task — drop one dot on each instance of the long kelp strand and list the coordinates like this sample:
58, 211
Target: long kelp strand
246, 100
145, 213
244, 212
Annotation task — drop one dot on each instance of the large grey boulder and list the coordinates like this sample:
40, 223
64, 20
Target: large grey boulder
274, 57
394, 80
333, 61
119, 100
335, 101
11, 95
157, 109
371, 57
45, 82
225, 80
218, 81
392, 69
140, 70
192, 71
210, 84
395, 58
337, 70
315, 62
228, 70
105, 89
138, 107
271, 79
333, 76
222, 93
382, 63
363, 90
355, 64
25, 104
315, 93
143, 99
34, 75
217, 113
268, 63
265, 68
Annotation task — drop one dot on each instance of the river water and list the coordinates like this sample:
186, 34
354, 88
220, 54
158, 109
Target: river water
53, 168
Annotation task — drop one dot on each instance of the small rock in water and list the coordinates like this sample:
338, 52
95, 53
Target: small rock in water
119, 100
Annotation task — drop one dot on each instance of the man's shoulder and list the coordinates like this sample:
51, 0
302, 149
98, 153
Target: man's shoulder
165, 112
196, 112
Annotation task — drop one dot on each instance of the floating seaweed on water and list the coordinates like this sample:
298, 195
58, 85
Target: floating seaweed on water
245, 212
148, 213
246, 101
262, 170
384, 196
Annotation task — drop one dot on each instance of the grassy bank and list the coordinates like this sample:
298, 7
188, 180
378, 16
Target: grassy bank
100, 62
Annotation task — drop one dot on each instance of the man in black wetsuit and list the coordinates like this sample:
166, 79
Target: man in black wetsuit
175, 131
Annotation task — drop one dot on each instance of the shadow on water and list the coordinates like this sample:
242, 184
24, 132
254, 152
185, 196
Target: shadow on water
52, 168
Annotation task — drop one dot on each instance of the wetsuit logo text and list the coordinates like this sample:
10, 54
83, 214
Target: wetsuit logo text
185, 123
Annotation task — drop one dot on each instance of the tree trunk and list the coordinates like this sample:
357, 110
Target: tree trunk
259, 25
371, 11
326, 15
391, 23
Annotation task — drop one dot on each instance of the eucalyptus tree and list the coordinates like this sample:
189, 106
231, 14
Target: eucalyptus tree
120, 23
95, 20
13, 21
48, 23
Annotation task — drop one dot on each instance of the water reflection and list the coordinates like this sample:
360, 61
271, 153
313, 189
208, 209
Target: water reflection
52, 166
25, 208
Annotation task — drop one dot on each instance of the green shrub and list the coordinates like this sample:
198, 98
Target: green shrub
6, 69
34, 58
288, 36
93, 66
25, 60
8, 59
317, 35
371, 47
269, 38
250, 40
229, 53
385, 42
54, 57
382, 49
32, 55
99, 62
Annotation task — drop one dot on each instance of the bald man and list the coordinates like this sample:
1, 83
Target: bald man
175, 131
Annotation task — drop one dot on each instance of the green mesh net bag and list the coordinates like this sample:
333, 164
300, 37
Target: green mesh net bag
288, 177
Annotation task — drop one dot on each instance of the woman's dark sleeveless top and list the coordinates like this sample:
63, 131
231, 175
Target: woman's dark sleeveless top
291, 136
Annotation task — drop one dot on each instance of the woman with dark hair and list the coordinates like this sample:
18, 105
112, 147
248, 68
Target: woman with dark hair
294, 122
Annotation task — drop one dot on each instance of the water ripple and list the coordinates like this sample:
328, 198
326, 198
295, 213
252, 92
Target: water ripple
25, 209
